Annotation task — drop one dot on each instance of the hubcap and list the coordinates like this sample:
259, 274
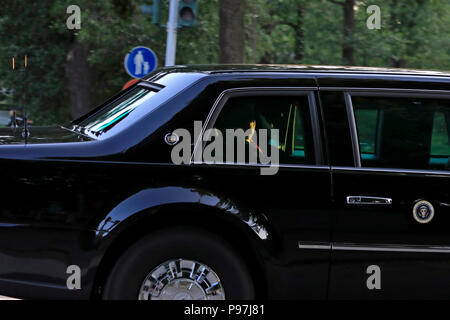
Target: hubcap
181, 279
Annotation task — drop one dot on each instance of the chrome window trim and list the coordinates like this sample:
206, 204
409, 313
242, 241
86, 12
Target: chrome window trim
342, 74
386, 90
379, 74
241, 91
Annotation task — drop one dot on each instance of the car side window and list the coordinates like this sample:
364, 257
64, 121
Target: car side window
403, 132
290, 115
440, 145
367, 120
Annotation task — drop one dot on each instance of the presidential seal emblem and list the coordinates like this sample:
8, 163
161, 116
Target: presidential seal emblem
423, 211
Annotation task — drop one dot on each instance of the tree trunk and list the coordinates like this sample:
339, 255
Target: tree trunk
79, 78
349, 26
299, 34
253, 35
231, 31
348, 29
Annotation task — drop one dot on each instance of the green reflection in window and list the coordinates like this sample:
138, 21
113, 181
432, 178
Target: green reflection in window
109, 116
440, 145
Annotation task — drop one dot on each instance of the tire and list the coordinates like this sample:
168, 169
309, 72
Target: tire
125, 281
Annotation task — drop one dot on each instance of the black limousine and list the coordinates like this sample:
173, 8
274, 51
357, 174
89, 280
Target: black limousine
236, 182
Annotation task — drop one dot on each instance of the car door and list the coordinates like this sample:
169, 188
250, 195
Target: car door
295, 198
391, 233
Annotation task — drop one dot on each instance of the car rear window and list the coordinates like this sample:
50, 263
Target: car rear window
106, 118
136, 103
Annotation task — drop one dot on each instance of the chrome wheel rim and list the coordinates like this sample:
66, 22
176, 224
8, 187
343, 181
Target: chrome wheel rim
182, 279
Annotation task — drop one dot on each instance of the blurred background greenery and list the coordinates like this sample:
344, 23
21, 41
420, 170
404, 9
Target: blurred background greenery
71, 71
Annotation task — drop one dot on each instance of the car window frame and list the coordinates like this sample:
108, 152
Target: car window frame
384, 93
225, 95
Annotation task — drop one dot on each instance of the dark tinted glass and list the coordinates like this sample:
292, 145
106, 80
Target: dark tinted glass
440, 146
108, 117
289, 115
411, 133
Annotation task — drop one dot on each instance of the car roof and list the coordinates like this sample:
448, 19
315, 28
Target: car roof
272, 68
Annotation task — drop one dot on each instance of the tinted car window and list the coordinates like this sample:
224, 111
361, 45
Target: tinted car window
367, 125
440, 146
134, 104
289, 115
111, 115
411, 133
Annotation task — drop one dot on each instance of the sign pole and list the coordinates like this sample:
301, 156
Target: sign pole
172, 25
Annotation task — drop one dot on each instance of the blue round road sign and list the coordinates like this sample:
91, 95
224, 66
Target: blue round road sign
140, 62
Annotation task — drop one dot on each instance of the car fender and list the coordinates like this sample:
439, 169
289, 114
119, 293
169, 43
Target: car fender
152, 200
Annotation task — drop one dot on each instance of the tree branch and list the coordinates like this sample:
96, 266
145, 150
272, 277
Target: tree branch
336, 2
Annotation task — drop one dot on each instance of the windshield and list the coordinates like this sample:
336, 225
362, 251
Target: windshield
111, 115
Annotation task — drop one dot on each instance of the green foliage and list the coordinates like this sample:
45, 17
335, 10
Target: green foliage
413, 34
323, 33
199, 45
25, 30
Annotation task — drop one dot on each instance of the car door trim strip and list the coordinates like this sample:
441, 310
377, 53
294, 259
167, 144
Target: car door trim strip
373, 247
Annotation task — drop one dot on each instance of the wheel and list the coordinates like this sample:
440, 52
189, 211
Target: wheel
179, 264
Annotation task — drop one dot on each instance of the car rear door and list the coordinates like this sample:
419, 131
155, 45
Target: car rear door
391, 232
295, 199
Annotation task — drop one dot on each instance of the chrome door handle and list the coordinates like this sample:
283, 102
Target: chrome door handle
368, 200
